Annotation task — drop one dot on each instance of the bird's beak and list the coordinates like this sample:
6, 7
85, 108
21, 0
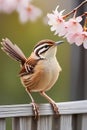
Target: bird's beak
58, 43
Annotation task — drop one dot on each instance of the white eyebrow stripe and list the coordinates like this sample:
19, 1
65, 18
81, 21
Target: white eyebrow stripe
40, 46
42, 50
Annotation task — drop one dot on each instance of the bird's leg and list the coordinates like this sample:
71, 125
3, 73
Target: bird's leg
34, 105
51, 101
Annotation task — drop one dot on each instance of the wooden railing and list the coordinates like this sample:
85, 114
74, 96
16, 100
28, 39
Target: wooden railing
73, 116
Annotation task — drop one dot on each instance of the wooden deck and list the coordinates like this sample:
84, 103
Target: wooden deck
73, 116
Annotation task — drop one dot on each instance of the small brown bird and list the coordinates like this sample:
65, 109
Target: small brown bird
40, 71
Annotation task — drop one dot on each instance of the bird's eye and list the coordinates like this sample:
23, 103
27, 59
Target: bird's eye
46, 46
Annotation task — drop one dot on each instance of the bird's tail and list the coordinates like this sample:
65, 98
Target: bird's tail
13, 50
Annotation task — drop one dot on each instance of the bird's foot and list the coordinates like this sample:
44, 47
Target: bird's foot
35, 110
55, 108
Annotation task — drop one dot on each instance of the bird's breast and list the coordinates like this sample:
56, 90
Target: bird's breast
54, 69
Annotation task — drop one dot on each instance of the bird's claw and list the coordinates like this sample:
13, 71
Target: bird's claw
35, 110
55, 108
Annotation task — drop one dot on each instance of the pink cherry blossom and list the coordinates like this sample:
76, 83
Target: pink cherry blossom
78, 38
28, 12
23, 3
73, 25
25, 9
70, 37
57, 22
75, 31
70, 29
8, 6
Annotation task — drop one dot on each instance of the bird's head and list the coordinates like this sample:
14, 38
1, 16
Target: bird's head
46, 48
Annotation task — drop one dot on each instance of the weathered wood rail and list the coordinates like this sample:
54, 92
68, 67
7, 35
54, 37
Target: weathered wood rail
73, 116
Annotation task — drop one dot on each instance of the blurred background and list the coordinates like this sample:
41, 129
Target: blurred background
72, 82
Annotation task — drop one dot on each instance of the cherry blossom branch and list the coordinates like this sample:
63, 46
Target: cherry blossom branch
75, 9
84, 14
71, 28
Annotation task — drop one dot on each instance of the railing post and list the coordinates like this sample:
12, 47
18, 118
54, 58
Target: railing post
66, 122
15, 123
2, 124
44, 123
84, 121
25, 123
21, 123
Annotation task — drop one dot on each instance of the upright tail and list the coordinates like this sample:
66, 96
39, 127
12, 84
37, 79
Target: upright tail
13, 50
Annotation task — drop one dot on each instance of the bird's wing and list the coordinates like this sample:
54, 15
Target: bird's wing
31, 73
28, 67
